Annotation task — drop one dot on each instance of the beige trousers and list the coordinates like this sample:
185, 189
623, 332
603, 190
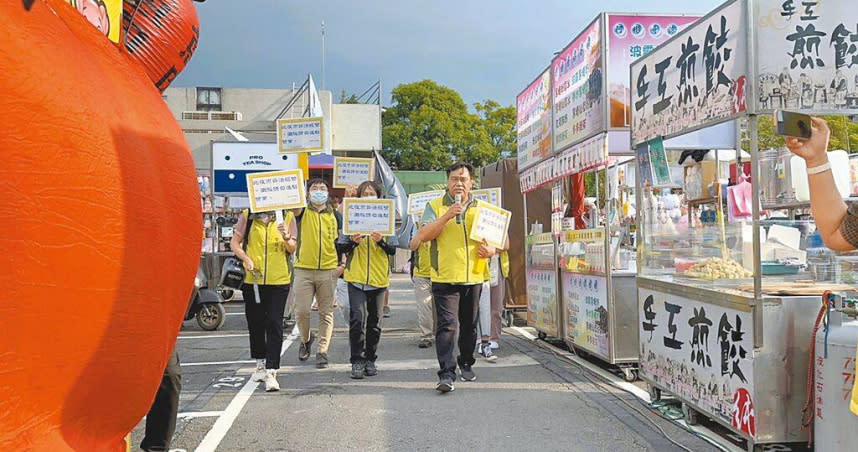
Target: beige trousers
321, 284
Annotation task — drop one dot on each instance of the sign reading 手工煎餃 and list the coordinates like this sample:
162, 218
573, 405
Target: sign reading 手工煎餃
807, 55
697, 79
702, 352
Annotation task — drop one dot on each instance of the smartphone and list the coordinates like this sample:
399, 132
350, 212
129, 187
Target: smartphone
792, 124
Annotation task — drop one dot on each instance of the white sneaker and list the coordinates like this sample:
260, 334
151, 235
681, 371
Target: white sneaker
494, 345
271, 383
259, 374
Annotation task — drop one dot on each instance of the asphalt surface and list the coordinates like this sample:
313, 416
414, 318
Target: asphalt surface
529, 400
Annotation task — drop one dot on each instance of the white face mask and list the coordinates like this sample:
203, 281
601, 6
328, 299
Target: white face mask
370, 197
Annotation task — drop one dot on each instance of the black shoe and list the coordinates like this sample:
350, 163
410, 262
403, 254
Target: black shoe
357, 371
425, 343
304, 351
321, 360
369, 369
386, 311
468, 374
445, 385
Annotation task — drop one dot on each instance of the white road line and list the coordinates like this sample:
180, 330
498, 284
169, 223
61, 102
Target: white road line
219, 363
194, 415
224, 422
234, 313
215, 336
706, 434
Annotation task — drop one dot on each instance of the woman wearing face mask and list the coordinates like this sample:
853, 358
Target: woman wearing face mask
264, 252
368, 276
316, 269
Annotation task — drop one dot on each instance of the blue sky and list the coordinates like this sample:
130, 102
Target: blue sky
485, 49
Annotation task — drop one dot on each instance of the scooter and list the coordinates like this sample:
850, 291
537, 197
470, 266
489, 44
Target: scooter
205, 305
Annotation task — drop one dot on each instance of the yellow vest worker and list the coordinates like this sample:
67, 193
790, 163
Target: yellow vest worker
368, 263
453, 248
317, 233
422, 269
267, 249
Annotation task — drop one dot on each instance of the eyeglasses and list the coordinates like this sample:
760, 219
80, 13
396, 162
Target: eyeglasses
461, 179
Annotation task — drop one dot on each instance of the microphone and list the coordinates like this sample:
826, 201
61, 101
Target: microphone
459, 216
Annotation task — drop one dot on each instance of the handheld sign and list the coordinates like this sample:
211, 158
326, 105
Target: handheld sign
363, 216
352, 171
301, 135
489, 195
417, 201
491, 224
276, 190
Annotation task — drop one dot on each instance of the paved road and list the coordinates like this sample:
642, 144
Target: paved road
528, 400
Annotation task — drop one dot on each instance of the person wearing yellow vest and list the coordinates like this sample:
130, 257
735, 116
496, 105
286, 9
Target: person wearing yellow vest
317, 263
368, 276
420, 276
264, 246
836, 222
456, 278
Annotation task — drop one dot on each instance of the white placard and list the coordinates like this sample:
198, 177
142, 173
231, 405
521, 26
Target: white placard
352, 171
276, 190
363, 216
488, 195
301, 135
701, 352
587, 312
696, 79
491, 224
417, 201
807, 55
542, 300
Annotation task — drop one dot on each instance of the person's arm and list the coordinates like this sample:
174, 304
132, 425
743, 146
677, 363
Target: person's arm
389, 249
432, 229
237, 240
291, 238
826, 205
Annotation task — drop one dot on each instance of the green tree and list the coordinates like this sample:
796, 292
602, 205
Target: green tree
348, 98
428, 127
844, 134
499, 123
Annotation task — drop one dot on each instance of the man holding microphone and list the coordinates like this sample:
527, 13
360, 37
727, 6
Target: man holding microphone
457, 271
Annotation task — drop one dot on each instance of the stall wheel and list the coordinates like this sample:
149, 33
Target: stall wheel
654, 393
630, 374
541, 335
690, 414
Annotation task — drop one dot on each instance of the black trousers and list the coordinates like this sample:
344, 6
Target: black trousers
456, 305
265, 321
365, 313
161, 419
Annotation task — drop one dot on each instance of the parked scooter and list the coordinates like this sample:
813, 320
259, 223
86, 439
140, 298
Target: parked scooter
205, 305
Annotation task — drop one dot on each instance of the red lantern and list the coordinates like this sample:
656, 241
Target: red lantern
161, 35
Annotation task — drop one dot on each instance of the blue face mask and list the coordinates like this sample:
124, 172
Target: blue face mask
318, 197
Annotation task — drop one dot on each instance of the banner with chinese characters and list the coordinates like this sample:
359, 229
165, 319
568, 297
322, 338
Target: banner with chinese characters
489, 195
533, 121
276, 190
701, 352
542, 300
588, 155
491, 225
629, 38
301, 135
807, 55
587, 312
537, 176
417, 201
577, 90
364, 216
697, 79
352, 171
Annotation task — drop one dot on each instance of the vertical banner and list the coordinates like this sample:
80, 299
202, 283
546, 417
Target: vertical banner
577, 88
695, 80
701, 352
542, 300
807, 55
587, 312
629, 38
644, 168
658, 163
533, 122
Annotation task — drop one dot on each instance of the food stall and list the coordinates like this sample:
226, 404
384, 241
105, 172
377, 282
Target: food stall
727, 302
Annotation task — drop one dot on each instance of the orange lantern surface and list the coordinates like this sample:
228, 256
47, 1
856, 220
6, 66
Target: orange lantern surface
102, 225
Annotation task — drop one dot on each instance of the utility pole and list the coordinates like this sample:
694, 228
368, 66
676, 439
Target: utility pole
323, 55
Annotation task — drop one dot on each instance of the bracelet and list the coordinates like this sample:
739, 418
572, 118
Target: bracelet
819, 169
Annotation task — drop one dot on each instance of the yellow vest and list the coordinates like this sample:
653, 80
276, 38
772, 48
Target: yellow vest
452, 254
368, 264
317, 232
267, 249
854, 405
422, 269
504, 263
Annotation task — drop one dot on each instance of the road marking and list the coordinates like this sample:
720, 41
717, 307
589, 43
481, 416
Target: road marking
234, 313
517, 360
196, 414
215, 336
219, 363
707, 435
220, 428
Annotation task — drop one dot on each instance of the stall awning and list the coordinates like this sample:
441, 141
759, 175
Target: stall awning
321, 161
